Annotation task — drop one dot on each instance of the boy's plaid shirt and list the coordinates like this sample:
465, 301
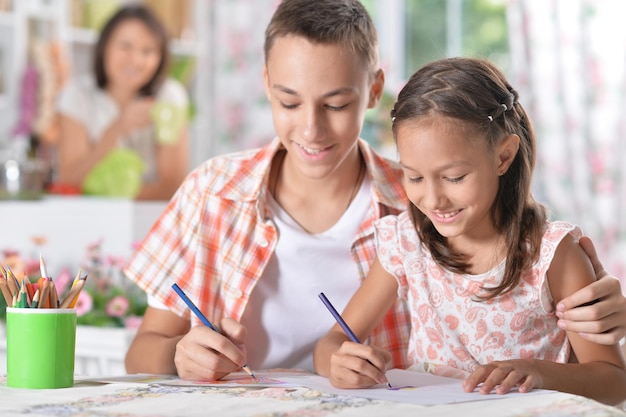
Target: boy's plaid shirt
215, 239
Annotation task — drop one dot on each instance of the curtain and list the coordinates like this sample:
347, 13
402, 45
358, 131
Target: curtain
242, 116
568, 63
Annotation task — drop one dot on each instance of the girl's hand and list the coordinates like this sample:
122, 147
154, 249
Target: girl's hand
356, 365
205, 355
503, 376
136, 114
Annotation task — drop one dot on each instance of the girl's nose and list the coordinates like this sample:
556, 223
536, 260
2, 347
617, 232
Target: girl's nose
433, 196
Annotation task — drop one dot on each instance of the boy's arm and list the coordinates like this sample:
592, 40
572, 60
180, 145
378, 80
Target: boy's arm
597, 311
600, 373
355, 365
153, 348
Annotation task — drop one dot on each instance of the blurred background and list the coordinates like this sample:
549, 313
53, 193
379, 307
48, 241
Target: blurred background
565, 57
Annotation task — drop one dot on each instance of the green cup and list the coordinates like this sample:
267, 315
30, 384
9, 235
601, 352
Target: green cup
41, 343
169, 119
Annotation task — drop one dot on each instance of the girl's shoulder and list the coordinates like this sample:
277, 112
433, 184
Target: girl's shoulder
174, 92
555, 231
398, 232
81, 97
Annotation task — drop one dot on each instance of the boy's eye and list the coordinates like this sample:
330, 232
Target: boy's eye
336, 108
288, 106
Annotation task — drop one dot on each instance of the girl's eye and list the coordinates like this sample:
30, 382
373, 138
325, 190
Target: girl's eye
415, 179
457, 179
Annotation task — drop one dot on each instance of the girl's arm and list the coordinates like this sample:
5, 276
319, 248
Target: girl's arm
77, 155
598, 311
354, 365
599, 373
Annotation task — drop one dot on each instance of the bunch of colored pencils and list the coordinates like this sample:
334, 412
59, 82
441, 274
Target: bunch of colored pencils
42, 294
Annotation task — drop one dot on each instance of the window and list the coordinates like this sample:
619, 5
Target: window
415, 32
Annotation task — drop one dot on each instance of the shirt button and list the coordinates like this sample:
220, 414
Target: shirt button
238, 294
264, 243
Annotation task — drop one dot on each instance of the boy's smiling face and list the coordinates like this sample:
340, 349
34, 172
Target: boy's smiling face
319, 94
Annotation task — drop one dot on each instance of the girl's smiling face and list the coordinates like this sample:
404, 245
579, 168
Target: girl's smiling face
132, 55
451, 175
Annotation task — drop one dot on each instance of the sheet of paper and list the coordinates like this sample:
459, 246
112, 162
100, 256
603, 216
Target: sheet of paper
414, 387
264, 379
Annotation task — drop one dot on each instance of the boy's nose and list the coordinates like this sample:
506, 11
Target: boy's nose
312, 125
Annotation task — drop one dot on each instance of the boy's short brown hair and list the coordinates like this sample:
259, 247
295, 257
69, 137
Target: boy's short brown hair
343, 22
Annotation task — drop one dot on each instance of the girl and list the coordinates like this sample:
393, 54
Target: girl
122, 105
475, 257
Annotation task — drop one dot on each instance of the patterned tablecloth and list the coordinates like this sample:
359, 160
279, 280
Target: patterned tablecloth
121, 399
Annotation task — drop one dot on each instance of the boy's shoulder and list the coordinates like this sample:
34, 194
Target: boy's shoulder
240, 172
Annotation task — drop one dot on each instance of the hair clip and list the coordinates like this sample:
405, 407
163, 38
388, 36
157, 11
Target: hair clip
490, 118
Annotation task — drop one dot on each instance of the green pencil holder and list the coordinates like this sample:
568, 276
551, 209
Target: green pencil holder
41, 345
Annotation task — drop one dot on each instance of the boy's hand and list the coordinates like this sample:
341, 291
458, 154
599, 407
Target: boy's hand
356, 365
598, 311
205, 355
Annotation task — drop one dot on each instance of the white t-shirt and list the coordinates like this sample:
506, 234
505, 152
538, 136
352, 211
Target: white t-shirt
284, 316
82, 100
285, 299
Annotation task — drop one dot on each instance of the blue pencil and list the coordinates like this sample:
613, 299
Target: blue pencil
203, 318
342, 322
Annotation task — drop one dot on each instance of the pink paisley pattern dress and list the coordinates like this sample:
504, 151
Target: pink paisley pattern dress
451, 332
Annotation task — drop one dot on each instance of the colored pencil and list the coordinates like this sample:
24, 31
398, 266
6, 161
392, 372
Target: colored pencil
6, 292
42, 267
54, 296
72, 296
22, 299
44, 293
14, 286
35, 302
203, 319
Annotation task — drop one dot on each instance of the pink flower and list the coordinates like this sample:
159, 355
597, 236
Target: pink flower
84, 303
132, 322
62, 281
117, 306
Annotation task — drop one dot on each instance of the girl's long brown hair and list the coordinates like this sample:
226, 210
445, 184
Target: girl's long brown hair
477, 94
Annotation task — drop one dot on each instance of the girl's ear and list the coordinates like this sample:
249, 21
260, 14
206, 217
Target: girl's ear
376, 91
507, 149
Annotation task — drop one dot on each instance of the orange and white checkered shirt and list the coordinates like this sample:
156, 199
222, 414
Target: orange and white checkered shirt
216, 237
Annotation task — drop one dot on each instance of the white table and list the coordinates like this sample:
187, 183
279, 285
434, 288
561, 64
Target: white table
140, 400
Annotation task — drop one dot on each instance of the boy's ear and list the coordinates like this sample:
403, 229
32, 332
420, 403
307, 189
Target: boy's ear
507, 150
376, 91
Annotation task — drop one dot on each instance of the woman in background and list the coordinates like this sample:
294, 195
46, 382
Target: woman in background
120, 106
